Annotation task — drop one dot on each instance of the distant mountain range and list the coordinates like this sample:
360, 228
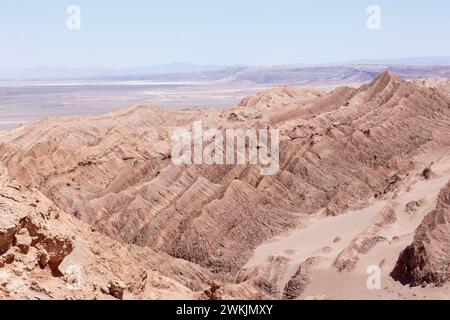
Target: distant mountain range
83, 73
260, 74
414, 61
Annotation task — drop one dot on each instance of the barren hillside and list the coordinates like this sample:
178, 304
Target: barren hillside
359, 170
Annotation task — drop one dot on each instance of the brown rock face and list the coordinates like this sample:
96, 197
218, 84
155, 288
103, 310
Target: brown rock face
23, 225
7, 233
213, 293
23, 240
427, 259
46, 254
117, 289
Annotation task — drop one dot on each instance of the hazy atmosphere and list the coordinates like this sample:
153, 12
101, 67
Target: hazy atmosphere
137, 33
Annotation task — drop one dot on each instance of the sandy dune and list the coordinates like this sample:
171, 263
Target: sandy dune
317, 239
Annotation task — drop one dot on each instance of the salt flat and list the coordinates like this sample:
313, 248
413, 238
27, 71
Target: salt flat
28, 101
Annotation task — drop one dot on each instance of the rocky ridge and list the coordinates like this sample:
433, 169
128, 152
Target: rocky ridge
192, 225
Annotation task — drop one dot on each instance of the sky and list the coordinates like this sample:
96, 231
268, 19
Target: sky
132, 33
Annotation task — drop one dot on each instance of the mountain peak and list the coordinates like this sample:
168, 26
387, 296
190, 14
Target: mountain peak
386, 77
385, 81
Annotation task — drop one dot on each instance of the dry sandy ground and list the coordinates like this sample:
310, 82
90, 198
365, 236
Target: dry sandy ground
316, 238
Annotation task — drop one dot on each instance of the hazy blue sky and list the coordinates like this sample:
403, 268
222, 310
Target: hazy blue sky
150, 32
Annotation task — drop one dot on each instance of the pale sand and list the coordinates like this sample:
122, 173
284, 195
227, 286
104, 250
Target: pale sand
321, 231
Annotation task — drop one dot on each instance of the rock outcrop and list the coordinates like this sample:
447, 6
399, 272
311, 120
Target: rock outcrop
427, 259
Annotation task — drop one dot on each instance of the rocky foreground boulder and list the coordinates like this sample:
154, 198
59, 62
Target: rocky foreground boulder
427, 259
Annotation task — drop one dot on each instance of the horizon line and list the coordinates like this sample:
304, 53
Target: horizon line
231, 65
